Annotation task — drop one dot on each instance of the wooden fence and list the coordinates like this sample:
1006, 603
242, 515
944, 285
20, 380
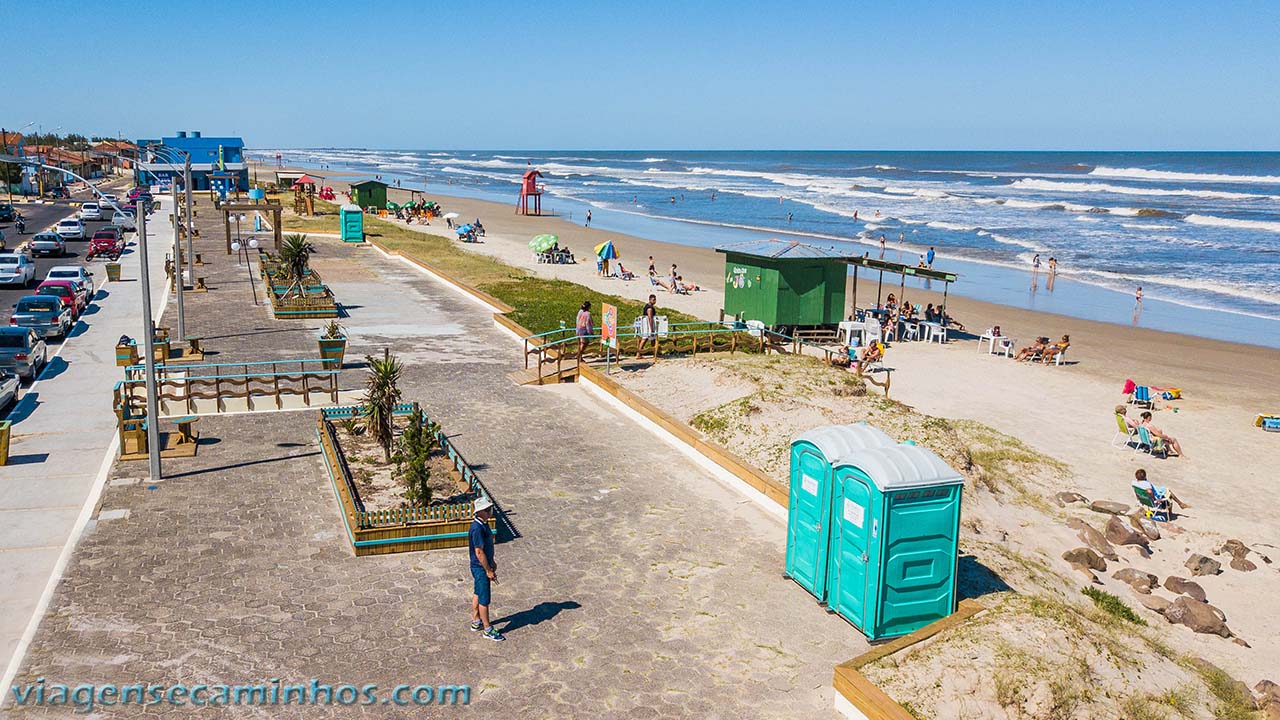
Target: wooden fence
216, 383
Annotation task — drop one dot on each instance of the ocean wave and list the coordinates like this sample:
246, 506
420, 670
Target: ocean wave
1082, 187
1165, 175
1141, 226
1213, 221
943, 225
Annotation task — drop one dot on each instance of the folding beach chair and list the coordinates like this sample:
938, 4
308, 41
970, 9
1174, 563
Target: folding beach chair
1123, 433
1141, 396
1153, 444
1156, 508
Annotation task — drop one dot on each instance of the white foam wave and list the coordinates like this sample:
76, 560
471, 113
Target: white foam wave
1165, 175
1213, 221
1080, 187
1141, 226
943, 225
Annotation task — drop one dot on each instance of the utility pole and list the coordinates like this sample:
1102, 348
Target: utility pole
4, 148
148, 339
178, 281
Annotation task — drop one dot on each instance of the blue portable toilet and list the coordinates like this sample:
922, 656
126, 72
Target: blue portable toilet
351, 223
809, 509
895, 536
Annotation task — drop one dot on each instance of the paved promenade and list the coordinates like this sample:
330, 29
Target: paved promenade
639, 586
62, 431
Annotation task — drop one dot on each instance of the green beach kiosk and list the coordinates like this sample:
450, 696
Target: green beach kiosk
369, 193
895, 534
784, 283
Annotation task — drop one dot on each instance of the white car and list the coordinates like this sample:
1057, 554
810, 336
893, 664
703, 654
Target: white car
8, 388
70, 229
107, 199
90, 211
75, 273
124, 220
16, 269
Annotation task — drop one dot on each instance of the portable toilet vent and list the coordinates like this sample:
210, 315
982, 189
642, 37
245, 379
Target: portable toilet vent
894, 539
809, 510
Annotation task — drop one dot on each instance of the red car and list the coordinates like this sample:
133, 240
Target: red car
71, 292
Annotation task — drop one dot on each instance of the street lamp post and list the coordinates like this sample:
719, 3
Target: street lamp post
178, 281
148, 329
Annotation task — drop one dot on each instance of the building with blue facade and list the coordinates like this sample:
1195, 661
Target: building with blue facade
209, 155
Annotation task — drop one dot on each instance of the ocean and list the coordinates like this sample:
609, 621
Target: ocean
1197, 231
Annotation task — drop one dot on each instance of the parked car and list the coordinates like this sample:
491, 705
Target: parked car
22, 352
70, 291
8, 213
48, 243
139, 190
90, 211
8, 388
70, 229
106, 200
44, 314
124, 220
74, 273
16, 269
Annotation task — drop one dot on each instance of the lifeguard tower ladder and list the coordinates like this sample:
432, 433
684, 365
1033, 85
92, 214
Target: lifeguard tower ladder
529, 188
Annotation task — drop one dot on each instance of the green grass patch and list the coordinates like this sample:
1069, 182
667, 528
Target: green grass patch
1232, 703
1112, 605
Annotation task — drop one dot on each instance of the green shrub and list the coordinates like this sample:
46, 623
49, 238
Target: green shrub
1113, 606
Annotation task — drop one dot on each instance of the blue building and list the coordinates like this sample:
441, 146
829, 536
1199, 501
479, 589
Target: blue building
222, 155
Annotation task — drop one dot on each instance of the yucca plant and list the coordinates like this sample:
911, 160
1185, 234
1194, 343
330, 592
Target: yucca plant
295, 261
333, 331
381, 395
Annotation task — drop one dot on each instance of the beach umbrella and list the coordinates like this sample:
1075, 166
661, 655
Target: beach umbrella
463, 229
450, 216
606, 251
543, 243
392, 206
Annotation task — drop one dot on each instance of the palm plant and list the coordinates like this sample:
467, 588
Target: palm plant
382, 394
295, 261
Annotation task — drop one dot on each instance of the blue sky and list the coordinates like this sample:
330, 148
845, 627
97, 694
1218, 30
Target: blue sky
648, 75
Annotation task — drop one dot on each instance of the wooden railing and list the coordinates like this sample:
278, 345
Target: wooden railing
225, 381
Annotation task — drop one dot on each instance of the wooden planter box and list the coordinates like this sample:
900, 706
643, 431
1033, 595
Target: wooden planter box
316, 302
127, 354
333, 351
380, 532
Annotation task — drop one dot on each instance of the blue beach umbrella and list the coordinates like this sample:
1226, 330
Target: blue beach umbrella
464, 229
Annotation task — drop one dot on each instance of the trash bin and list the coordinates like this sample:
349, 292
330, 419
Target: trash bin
5, 428
894, 539
113, 272
351, 222
809, 509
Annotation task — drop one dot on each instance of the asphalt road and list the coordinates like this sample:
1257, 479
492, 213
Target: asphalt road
41, 217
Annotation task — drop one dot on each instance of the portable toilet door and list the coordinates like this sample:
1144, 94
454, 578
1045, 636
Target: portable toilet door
351, 222
809, 509
895, 539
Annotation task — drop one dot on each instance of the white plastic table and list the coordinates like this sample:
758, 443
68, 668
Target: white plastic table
1005, 343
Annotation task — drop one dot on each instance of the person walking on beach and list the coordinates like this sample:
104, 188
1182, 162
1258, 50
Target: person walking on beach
648, 324
1137, 304
1035, 264
928, 258
484, 569
584, 327
788, 217
588, 219
881, 246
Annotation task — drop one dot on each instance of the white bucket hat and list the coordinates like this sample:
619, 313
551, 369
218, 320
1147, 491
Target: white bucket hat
483, 503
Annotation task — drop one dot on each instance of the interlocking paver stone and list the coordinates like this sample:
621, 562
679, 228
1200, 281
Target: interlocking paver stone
660, 598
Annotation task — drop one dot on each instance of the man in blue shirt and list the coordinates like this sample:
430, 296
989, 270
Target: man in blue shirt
928, 258
484, 569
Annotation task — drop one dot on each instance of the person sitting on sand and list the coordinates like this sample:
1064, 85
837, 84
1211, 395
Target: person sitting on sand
1168, 439
1158, 492
1033, 349
653, 277
685, 287
1055, 349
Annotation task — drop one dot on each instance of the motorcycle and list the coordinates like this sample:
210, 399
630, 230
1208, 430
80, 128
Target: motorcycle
21, 224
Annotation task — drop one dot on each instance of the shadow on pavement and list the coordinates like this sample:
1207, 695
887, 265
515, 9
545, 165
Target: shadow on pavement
541, 612
248, 463
56, 367
32, 459
24, 408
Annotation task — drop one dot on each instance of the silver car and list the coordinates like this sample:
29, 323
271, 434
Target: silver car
22, 352
44, 314
8, 389
48, 243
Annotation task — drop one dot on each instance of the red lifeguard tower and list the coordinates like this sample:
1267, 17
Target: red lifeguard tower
529, 188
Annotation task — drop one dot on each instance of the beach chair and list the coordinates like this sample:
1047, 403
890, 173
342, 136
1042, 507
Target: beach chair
910, 331
1152, 444
1141, 396
1156, 508
1123, 433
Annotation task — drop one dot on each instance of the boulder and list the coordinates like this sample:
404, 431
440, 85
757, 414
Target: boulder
1119, 533
1268, 690
1138, 580
1154, 603
1271, 711
1234, 548
1198, 616
1093, 539
1085, 558
1243, 564
1146, 526
1200, 565
1183, 586
1066, 498
1109, 507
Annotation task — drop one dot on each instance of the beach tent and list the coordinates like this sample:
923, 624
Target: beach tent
369, 193
813, 455
784, 283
